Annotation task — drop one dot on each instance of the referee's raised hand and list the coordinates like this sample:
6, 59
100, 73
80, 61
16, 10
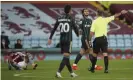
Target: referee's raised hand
124, 12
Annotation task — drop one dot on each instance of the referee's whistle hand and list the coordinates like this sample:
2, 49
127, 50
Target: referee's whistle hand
49, 41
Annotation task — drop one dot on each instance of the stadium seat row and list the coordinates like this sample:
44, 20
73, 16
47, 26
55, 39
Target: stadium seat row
115, 41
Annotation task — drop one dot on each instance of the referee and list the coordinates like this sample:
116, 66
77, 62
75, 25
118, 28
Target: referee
100, 43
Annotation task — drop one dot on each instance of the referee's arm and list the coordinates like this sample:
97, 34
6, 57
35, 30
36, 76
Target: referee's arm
109, 19
92, 30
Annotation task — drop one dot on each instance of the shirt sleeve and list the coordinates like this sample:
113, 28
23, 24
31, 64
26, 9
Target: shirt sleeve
75, 28
54, 29
80, 26
93, 27
109, 19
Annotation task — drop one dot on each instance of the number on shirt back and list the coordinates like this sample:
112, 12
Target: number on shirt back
64, 27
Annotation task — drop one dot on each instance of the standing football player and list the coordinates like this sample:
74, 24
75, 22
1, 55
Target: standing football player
66, 24
85, 25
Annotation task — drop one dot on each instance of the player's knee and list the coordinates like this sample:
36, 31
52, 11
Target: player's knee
82, 52
94, 54
91, 51
66, 54
105, 54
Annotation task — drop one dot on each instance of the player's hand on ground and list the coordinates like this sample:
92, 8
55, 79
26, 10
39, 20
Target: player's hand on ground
124, 12
49, 41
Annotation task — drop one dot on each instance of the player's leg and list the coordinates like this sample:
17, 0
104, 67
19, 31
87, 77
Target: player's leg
67, 50
22, 65
90, 52
78, 57
15, 65
106, 62
31, 62
12, 64
62, 64
104, 48
96, 50
9, 65
68, 65
94, 60
65, 61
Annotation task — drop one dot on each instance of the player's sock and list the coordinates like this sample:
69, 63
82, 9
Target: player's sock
62, 64
91, 58
79, 56
69, 65
94, 62
106, 62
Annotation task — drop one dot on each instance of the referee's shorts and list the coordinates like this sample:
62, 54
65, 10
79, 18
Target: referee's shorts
100, 44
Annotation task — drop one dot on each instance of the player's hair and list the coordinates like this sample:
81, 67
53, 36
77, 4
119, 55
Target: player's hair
67, 8
100, 12
18, 39
82, 11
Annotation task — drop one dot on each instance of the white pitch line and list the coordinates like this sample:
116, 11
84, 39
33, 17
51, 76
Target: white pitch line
30, 73
21, 74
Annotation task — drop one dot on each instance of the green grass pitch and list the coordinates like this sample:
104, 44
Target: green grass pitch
118, 70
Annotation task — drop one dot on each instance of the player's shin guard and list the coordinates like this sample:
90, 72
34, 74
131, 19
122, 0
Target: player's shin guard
79, 56
106, 62
62, 64
68, 65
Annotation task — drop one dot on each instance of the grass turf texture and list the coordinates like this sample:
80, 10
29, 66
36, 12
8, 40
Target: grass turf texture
118, 70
